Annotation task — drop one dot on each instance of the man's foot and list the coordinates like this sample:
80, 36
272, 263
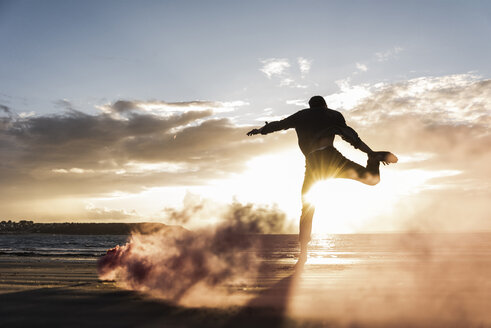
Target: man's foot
385, 157
302, 258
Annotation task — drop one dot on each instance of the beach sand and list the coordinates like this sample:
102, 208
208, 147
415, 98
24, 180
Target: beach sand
69, 294
50, 293
44, 293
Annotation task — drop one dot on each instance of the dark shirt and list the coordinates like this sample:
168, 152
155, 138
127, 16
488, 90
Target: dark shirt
311, 124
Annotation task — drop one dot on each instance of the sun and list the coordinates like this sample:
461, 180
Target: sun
342, 206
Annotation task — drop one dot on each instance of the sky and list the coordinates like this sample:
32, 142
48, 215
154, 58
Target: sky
124, 111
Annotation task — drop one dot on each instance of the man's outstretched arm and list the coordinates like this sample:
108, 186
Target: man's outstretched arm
284, 124
349, 135
364, 147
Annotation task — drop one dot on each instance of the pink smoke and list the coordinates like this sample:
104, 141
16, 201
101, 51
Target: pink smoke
180, 265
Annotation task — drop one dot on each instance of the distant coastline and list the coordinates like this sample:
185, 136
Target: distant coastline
71, 228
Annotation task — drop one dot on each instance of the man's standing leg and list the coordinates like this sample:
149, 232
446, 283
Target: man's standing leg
330, 163
308, 210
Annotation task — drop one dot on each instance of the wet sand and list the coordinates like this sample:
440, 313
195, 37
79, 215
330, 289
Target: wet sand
60, 293
69, 294
43, 293
324, 294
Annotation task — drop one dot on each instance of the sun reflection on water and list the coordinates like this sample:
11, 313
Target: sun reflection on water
323, 250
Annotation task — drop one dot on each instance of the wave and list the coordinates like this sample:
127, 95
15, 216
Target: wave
51, 254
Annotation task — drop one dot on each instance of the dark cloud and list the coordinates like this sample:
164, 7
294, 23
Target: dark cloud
64, 104
125, 106
5, 109
77, 154
122, 106
75, 139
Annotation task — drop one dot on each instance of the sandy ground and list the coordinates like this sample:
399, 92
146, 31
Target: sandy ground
42, 293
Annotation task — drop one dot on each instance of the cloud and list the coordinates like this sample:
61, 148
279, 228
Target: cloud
441, 124
287, 82
279, 68
448, 117
74, 154
362, 67
75, 170
304, 64
349, 95
105, 214
274, 66
5, 109
64, 104
27, 114
298, 102
388, 54
122, 108
452, 99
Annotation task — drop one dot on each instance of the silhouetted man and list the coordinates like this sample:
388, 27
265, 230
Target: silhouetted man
316, 127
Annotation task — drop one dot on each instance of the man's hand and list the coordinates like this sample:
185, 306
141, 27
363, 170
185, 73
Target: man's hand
256, 131
253, 132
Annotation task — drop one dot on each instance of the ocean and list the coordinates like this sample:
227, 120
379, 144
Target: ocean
66, 247
324, 249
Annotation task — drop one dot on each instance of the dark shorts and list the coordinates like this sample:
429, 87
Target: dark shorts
329, 163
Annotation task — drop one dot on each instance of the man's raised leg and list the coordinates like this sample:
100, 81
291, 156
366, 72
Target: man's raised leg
369, 175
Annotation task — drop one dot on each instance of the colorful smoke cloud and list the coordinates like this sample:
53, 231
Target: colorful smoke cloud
194, 267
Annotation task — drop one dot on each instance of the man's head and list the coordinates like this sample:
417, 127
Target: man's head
317, 101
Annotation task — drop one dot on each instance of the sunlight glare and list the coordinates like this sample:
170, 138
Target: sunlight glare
347, 206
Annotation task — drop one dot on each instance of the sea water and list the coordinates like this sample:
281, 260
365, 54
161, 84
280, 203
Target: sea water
58, 246
323, 249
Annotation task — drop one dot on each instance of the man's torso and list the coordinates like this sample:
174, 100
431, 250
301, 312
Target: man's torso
314, 128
